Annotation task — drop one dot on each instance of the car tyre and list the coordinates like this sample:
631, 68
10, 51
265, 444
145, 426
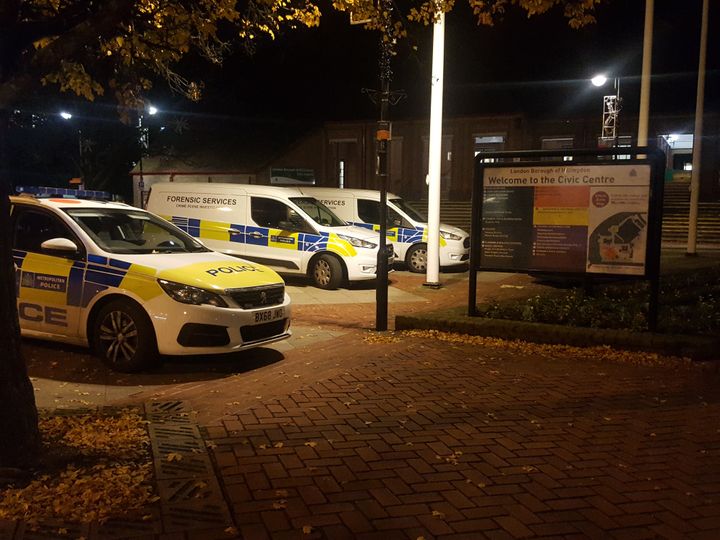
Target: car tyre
327, 272
124, 338
416, 258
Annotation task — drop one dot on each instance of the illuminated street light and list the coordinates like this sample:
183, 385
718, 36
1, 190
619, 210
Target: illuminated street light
599, 80
68, 116
611, 110
144, 140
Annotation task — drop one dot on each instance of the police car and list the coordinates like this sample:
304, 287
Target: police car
133, 286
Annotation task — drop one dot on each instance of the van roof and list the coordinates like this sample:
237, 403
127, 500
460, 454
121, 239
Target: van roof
350, 191
215, 187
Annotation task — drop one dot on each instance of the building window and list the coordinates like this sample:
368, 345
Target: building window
395, 164
341, 173
487, 144
624, 141
557, 143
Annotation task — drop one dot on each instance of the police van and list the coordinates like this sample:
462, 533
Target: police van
407, 229
279, 227
133, 286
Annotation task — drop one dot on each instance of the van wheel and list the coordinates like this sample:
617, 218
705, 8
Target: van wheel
327, 272
124, 338
416, 258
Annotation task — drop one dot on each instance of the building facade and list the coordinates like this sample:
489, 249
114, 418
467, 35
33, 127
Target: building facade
343, 154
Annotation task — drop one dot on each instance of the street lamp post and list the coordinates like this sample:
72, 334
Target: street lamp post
68, 116
611, 111
144, 140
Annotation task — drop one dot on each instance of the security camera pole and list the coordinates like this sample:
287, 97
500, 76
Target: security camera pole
383, 146
384, 98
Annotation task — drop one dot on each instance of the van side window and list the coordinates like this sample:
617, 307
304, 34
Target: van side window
369, 212
277, 215
34, 228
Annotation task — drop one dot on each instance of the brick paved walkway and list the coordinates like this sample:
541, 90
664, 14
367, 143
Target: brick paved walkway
426, 439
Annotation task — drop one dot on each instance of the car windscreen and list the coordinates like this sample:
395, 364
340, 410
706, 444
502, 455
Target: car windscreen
318, 212
132, 231
409, 210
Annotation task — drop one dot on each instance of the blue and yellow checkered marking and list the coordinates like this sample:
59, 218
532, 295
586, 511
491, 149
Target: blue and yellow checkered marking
262, 236
403, 235
81, 282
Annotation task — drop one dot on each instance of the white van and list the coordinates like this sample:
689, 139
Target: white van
279, 227
407, 229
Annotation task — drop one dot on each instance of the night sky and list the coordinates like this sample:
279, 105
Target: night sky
537, 66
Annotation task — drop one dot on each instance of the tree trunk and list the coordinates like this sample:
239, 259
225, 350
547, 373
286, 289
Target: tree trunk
19, 434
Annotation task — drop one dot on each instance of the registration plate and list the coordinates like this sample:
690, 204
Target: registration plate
269, 315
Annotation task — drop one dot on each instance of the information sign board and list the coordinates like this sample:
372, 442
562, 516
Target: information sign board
566, 218
598, 216
292, 176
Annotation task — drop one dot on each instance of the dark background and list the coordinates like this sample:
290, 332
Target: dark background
538, 67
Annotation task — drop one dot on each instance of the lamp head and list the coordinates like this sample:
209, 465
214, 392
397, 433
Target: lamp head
598, 80
65, 115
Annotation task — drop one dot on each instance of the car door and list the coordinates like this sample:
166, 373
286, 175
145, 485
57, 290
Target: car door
275, 234
397, 227
49, 284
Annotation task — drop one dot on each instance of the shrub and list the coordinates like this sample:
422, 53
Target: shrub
689, 304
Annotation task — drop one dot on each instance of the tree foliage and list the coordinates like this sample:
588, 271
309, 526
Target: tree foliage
93, 48
120, 47
378, 13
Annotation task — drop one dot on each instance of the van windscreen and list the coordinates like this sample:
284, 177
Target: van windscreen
318, 212
409, 210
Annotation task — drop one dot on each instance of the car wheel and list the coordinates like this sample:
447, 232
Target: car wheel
124, 337
416, 258
327, 272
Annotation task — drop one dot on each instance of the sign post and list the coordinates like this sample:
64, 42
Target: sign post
586, 218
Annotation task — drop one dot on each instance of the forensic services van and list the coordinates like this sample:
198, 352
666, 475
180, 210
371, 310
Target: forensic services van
279, 227
407, 229
134, 286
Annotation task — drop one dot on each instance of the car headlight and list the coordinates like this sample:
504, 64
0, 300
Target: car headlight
450, 236
191, 295
357, 242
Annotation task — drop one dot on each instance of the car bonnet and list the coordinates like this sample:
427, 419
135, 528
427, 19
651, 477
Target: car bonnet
207, 270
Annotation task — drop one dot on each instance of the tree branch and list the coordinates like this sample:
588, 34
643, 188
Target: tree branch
14, 86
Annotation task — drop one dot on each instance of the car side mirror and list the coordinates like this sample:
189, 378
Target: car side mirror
60, 246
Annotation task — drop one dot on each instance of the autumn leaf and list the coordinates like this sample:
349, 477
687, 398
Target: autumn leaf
114, 480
